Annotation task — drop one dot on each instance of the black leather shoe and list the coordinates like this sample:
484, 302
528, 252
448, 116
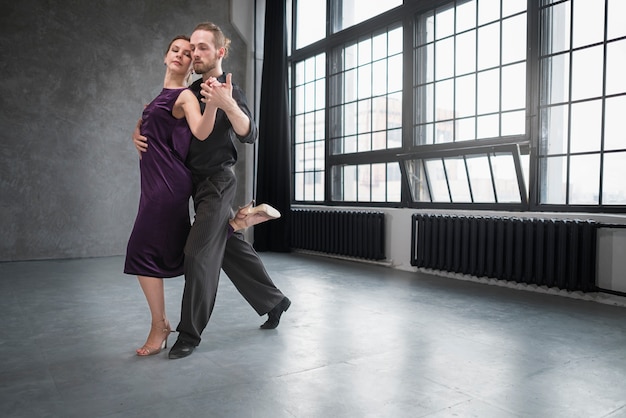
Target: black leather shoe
274, 315
181, 349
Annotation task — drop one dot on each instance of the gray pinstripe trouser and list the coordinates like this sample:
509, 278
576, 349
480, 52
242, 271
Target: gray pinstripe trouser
208, 249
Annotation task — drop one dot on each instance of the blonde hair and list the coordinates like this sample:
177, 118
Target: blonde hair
221, 41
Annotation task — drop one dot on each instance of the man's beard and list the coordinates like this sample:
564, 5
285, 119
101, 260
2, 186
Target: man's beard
203, 68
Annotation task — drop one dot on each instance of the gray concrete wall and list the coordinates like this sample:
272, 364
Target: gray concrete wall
75, 76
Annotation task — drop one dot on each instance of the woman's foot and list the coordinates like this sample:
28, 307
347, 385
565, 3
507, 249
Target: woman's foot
157, 339
251, 215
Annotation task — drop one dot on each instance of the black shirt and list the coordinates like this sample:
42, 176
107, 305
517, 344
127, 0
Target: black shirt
218, 151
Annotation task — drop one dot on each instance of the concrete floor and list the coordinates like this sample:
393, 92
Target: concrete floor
358, 341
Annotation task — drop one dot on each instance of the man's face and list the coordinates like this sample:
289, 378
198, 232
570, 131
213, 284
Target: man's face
206, 58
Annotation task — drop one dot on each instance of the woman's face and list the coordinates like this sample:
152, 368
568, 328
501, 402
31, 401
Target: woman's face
178, 57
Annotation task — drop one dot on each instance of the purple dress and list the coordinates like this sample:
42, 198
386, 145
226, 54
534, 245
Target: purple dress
155, 247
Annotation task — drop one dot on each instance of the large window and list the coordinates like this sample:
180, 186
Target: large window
366, 115
505, 104
582, 142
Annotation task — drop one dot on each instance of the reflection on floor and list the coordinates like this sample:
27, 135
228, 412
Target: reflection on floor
358, 341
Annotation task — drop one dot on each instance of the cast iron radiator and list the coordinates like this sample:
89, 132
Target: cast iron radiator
554, 253
347, 233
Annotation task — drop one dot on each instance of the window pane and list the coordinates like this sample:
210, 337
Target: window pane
444, 100
616, 67
616, 15
586, 126
394, 81
299, 157
310, 22
357, 11
394, 111
466, 53
320, 94
394, 182
465, 96
614, 132
457, 178
379, 141
489, 46
513, 123
465, 15
364, 142
394, 138
444, 132
584, 179
444, 22
554, 130
417, 181
350, 119
379, 182
555, 71
349, 183
613, 190
299, 186
513, 38
488, 11
587, 73
553, 180
480, 179
379, 77
588, 22
510, 7
514, 87
488, 91
487, 126
437, 180
350, 83
319, 186
379, 46
364, 183
395, 41
507, 188
557, 37
465, 129
444, 62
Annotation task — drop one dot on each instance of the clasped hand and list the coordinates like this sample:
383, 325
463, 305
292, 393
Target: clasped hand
218, 94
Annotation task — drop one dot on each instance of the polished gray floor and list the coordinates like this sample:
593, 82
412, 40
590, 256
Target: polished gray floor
358, 341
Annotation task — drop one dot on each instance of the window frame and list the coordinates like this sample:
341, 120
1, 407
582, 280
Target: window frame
526, 144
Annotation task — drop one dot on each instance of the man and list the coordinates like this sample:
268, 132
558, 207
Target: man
214, 187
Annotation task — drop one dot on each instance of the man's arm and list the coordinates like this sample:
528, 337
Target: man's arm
235, 107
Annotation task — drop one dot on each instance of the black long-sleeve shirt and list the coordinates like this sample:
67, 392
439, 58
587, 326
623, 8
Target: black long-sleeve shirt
218, 151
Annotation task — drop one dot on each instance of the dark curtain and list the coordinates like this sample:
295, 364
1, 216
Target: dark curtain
273, 172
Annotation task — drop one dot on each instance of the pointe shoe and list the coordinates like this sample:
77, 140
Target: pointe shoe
147, 350
251, 215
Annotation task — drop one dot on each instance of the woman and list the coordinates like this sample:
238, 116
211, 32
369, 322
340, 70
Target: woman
155, 247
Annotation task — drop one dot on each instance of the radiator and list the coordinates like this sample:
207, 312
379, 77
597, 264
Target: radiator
554, 253
358, 234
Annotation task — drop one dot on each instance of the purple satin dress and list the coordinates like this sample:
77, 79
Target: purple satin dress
155, 247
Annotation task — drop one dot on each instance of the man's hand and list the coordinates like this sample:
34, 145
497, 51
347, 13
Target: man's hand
140, 141
220, 95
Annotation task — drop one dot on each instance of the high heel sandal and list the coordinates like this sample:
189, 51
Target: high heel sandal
251, 215
146, 350
263, 209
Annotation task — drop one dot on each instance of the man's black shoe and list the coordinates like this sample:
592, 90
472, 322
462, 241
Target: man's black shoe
274, 315
181, 349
